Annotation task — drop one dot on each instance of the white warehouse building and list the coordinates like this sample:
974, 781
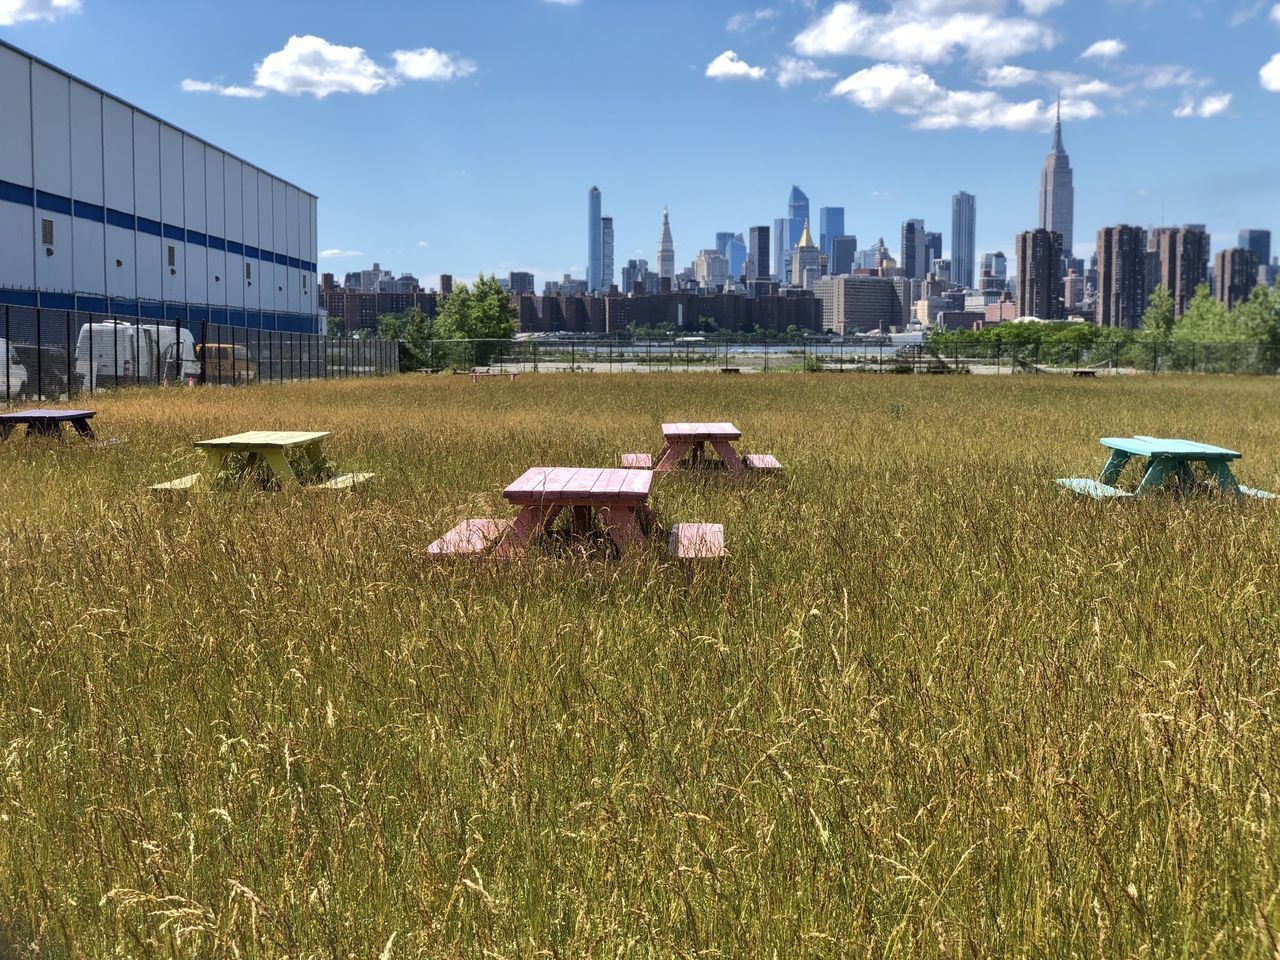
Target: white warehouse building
105, 208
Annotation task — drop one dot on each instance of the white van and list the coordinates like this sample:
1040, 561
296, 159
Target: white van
111, 353
13, 375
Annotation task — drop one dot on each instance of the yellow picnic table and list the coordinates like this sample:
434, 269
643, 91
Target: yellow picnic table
265, 447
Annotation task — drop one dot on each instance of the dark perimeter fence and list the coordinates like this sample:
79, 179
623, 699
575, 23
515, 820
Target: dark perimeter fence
867, 355
52, 354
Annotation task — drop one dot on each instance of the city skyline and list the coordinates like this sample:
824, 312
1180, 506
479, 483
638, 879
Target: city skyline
462, 204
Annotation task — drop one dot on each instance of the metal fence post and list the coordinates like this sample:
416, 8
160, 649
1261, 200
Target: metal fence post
8, 346
39, 355
66, 355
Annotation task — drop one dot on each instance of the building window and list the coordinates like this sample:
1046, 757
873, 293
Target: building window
304, 283
173, 257
46, 232
248, 271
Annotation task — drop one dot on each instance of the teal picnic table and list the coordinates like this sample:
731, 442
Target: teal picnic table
1165, 458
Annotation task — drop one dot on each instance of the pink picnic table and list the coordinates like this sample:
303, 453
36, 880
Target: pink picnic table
619, 499
685, 439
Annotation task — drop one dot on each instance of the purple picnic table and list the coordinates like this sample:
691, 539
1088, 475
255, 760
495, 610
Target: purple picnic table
47, 423
618, 498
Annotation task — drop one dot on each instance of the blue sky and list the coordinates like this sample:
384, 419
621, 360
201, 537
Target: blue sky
461, 138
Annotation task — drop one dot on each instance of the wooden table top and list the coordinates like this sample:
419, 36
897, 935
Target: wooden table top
262, 440
1165, 447
701, 431
585, 486
24, 415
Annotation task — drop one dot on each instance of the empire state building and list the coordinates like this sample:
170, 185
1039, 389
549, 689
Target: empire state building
1057, 195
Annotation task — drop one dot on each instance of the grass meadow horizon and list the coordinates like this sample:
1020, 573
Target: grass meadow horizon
930, 706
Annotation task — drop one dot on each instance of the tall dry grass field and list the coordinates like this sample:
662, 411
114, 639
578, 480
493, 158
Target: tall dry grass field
931, 706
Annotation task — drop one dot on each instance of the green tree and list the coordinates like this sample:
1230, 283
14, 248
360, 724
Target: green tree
1205, 320
1157, 322
413, 329
334, 326
482, 311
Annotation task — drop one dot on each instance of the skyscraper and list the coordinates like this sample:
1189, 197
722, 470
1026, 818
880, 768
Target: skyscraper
786, 234
758, 254
806, 261
606, 253
1184, 262
932, 250
844, 249
996, 264
666, 250
798, 206
1057, 193
733, 248
1235, 274
964, 225
830, 226
1122, 277
914, 259
1259, 242
595, 241
1039, 255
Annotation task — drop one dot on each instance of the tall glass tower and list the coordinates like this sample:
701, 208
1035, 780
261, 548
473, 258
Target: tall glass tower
964, 219
595, 242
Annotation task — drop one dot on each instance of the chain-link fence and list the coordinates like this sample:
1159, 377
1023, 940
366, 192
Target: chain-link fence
53, 354
863, 354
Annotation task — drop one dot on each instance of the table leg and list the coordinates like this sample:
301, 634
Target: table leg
581, 521
45, 428
671, 455
1186, 477
623, 527
699, 454
83, 428
1157, 470
531, 521
729, 456
6, 428
1226, 479
1115, 464
279, 464
648, 522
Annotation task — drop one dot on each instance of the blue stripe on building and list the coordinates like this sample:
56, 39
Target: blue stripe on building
83, 210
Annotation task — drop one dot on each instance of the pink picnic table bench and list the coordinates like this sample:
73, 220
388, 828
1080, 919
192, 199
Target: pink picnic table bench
618, 498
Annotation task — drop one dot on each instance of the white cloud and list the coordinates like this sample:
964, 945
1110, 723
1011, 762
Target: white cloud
1270, 74
1275, 13
728, 66
741, 22
334, 252
909, 91
1104, 50
21, 11
431, 64
314, 65
1038, 8
924, 31
1068, 84
222, 89
1205, 108
1168, 75
793, 70
563, 3
1008, 76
